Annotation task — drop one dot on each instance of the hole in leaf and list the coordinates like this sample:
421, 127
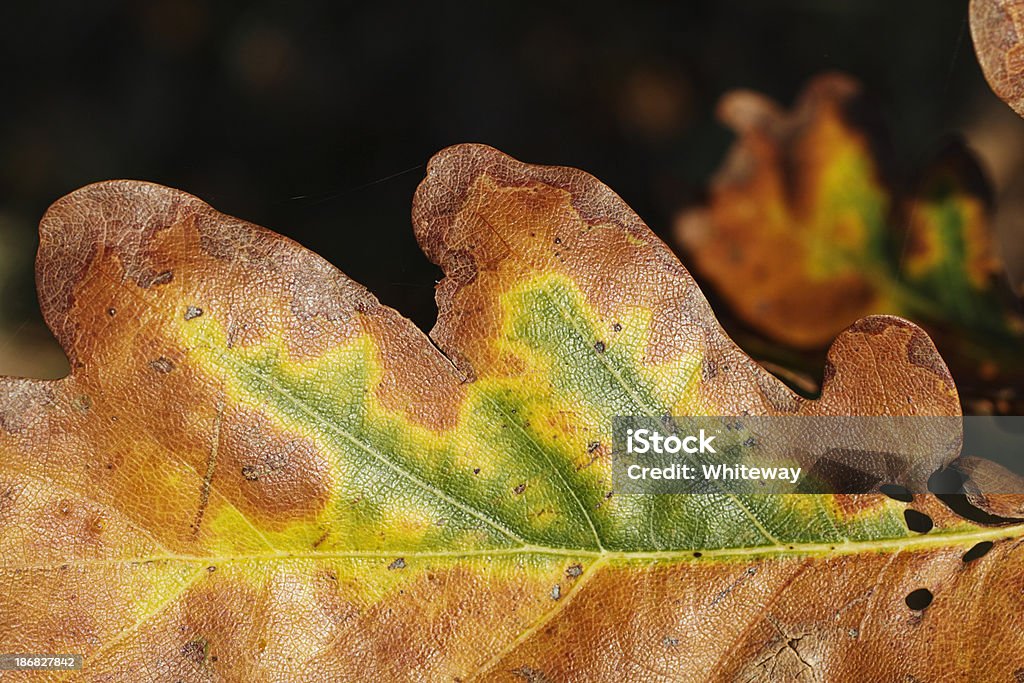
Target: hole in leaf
919, 599
978, 551
897, 492
918, 521
946, 480
961, 505
948, 486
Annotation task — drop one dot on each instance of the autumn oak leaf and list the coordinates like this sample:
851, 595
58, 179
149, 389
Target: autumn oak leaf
804, 232
255, 471
997, 30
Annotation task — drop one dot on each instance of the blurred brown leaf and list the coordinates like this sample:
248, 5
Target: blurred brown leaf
804, 232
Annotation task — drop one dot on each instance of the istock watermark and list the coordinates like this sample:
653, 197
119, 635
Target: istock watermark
797, 454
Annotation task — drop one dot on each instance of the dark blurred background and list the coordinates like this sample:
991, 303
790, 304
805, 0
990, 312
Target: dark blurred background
316, 119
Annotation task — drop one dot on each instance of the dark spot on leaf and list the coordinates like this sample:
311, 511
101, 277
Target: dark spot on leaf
897, 492
593, 446
698, 554
195, 650
574, 570
397, 564
617, 327
159, 279
556, 592
599, 347
476, 470
918, 521
163, 365
558, 240
531, 675
668, 641
919, 599
978, 551
111, 311
212, 568
709, 370
519, 489
271, 462
193, 312
828, 373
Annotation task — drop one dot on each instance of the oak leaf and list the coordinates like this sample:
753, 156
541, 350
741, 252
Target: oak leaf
255, 471
804, 232
997, 30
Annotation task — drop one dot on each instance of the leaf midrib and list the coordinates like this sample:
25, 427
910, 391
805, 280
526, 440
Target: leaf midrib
931, 540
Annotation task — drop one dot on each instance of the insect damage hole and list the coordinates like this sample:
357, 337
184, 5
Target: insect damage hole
918, 521
897, 492
919, 599
977, 551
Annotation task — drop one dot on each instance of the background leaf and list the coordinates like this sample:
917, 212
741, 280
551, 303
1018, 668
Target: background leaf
804, 231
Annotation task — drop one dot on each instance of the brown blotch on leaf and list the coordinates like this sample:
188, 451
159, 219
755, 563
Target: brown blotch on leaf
163, 278
251, 473
709, 370
163, 365
22, 401
531, 675
195, 650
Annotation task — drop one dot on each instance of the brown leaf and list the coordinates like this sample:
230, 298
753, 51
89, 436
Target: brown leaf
997, 29
255, 471
803, 233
